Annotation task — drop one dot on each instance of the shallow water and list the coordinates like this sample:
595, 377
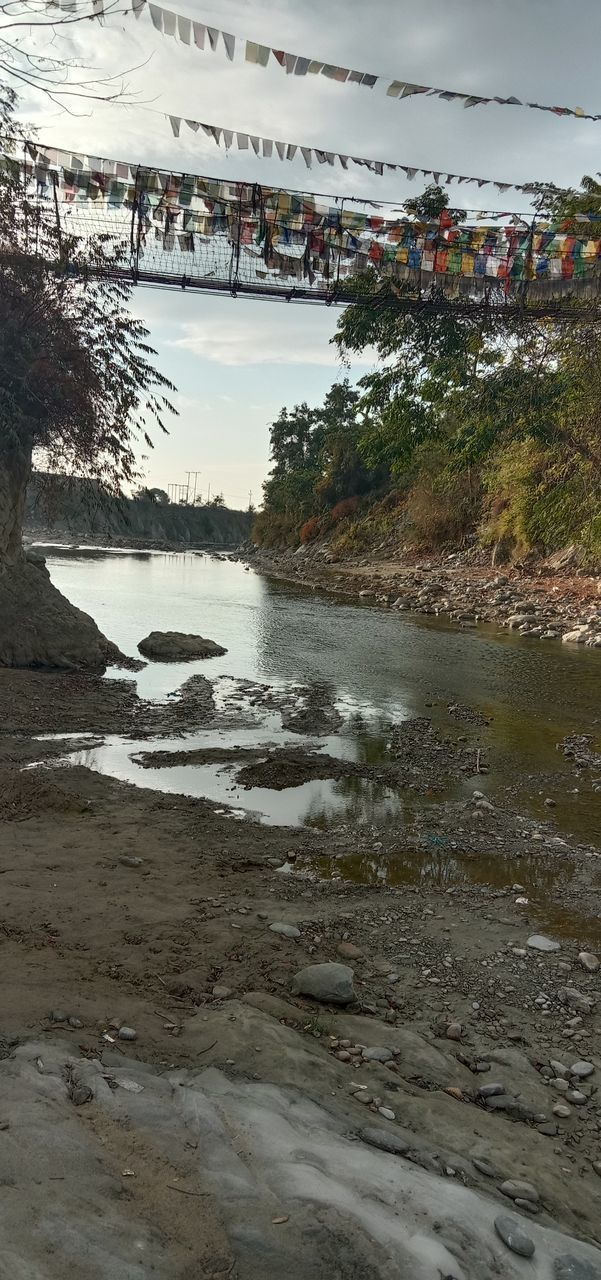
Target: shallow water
379, 666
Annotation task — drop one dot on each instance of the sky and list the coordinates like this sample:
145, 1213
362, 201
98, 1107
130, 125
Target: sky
236, 362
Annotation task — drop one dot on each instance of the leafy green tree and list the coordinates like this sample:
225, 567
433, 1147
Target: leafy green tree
78, 387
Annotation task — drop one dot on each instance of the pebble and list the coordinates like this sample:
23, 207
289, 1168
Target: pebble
131, 861
562, 1111
501, 1102
597, 1167
387, 1113
589, 961
485, 1167
332, 983
575, 1096
363, 1096
349, 951
516, 1189
491, 1090
58, 1015
539, 942
80, 1094
127, 1033
379, 1053
582, 1070
560, 1085
527, 1206
512, 1235
558, 1068
286, 930
454, 1031
386, 1141
75, 1022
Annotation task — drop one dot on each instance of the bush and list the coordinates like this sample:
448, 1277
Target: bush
309, 530
347, 507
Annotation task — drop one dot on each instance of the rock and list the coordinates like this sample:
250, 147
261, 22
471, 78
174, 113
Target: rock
127, 1033
379, 1053
331, 983
485, 1167
539, 942
501, 1102
286, 930
527, 1206
560, 1085
491, 1090
80, 1094
222, 993
589, 961
385, 1141
570, 1268
177, 646
349, 951
597, 1167
386, 1112
562, 1111
579, 1099
517, 1189
558, 1068
575, 999
131, 862
76, 1023
58, 1015
513, 1236
42, 629
454, 1031
582, 1070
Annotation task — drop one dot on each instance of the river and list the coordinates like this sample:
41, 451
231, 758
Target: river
380, 667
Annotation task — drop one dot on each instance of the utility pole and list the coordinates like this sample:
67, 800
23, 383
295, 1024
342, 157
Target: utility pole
196, 475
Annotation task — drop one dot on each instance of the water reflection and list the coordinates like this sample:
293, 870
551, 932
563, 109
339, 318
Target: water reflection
381, 666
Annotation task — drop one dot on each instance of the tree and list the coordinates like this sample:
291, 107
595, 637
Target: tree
217, 501
26, 26
77, 387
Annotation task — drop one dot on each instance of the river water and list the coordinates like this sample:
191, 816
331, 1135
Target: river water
380, 667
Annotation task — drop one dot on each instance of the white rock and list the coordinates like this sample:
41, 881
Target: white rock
539, 942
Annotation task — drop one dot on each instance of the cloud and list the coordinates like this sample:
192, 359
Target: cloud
232, 340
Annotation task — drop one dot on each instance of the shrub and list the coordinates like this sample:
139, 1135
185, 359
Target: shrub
346, 507
309, 530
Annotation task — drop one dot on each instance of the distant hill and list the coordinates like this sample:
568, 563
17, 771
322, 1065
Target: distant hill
71, 509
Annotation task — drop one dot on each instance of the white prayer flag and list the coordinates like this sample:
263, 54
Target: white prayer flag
230, 45
169, 22
184, 28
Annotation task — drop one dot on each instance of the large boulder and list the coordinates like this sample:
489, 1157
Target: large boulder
330, 983
177, 646
39, 627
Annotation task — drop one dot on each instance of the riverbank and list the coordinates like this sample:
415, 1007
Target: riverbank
393, 1121
546, 601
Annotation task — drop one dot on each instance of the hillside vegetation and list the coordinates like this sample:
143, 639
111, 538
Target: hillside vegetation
76, 509
470, 427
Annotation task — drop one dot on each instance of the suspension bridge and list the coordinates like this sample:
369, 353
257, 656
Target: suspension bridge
186, 231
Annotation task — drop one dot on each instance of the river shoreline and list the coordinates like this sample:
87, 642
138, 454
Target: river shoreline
126, 907
541, 602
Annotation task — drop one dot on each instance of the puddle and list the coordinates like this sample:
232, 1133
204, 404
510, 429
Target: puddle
442, 868
321, 802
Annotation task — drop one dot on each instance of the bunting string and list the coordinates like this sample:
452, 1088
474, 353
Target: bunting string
268, 148
203, 37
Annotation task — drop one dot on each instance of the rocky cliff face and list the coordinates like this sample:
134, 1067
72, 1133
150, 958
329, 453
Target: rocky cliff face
76, 510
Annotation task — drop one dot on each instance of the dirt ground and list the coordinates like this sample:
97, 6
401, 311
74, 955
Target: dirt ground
122, 905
